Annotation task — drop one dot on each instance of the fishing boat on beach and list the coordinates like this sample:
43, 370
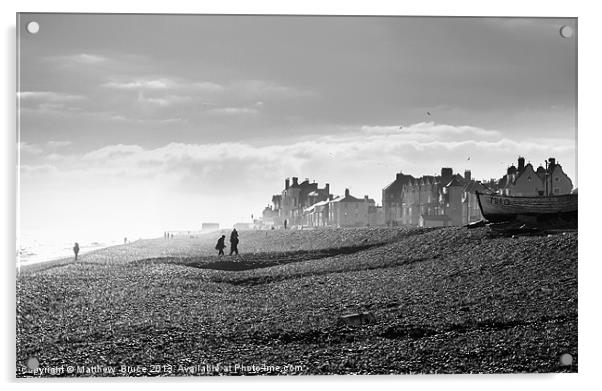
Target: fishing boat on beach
499, 208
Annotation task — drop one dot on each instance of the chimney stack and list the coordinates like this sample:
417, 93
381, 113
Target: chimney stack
287, 183
398, 176
552, 162
346, 192
295, 181
327, 188
467, 175
446, 172
521, 163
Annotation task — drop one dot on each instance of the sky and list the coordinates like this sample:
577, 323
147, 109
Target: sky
131, 125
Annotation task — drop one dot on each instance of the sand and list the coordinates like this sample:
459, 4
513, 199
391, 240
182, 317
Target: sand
447, 300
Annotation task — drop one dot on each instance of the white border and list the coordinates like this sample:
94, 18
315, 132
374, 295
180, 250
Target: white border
589, 166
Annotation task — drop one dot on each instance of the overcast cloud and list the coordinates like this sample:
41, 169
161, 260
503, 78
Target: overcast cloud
198, 118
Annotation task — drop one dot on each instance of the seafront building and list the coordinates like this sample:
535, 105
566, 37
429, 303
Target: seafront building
349, 211
288, 207
306, 205
432, 200
523, 180
392, 199
446, 199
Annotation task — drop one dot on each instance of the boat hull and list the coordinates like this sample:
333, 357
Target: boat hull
497, 208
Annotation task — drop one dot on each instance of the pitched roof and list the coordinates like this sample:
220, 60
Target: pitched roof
314, 206
472, 186
457, 180
541, 173
522, 172
398, 182
348, 198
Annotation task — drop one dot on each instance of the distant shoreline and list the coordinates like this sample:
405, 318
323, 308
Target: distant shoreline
182, 246
31, 266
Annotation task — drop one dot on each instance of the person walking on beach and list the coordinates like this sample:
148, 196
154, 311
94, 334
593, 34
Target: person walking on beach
76, 250
220, 246
234, 242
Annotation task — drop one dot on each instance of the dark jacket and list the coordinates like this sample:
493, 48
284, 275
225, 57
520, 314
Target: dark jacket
220, 244
234, 237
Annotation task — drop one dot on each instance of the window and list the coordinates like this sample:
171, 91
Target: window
556, 179
556, 190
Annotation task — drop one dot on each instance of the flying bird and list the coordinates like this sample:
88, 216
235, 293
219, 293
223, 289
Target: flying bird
468, 158
428, 113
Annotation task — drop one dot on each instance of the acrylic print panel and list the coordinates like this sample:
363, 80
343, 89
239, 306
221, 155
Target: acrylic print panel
284, 195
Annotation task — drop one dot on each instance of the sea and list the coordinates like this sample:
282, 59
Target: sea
32, 249
36, 248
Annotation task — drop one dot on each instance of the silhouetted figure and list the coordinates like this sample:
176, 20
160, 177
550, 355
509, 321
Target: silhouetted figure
284, 223
234, 242
76, 250
220, 246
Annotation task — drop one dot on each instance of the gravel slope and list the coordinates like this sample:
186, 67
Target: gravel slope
445, 301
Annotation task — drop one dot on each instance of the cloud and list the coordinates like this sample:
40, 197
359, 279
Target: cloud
148, 94
85, 58
233, 111
141, 84
181, 184
432, 131
165, 83
29, 148
38, 169
48, 96
58, 144
266, 89
160, 99
50, 102
197, 165
113, 152
254, 90
206, 86
78, 59
153, 101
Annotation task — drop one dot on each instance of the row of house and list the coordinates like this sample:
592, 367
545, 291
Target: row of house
450, 199
430, 200
524, 180
306, 205
441, 200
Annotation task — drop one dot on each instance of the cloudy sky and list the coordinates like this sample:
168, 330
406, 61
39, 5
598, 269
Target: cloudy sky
138, 124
